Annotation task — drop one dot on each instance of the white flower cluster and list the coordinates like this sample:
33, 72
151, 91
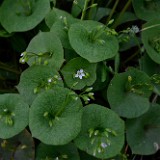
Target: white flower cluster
134, 29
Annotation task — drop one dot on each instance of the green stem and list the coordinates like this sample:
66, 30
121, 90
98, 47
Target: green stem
109, 2
152, 26
90, 11
84, 9
7, 68
67, 99
121, 13
112, 11
132, 56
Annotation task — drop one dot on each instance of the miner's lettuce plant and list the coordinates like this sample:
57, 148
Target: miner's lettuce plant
91, 84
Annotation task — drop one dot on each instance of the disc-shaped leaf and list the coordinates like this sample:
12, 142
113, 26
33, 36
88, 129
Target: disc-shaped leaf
143, 132
59, 22
79, 73
18, 16
13, 115
128, 93
57, 15
102, 132
68, 151
35, 80
48, 48
151, 41
146, 9
18, 147
90, 40
55, 116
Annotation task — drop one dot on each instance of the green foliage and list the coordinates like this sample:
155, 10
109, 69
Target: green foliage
18, 147
79, 80
13, 115
102, 133
143, 132
79, 73
21, 15
128, 93
99, 43
54, 113
68, 151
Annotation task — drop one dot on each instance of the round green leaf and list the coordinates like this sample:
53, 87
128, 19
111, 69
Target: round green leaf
143, 132
146, 9
102, 132
57, 15
19, 16
13, 115
62, 32
68, 151
59, 22
18, 147
79, 73
55, 116
49, 48
151, 40
128, 93
35, 80
91, 41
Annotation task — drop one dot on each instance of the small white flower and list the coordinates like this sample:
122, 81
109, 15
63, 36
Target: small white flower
60, 17
22, 60
80, 74
103, 145
57, 158
22, 55
49, 80
75, 2
156, 146
5, 110
134, 29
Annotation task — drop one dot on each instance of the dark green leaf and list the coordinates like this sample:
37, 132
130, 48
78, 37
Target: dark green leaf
55, 116
13, 115
91, 41
68, 151
128, 93
18, 16
72, 68
143, 132
102, 133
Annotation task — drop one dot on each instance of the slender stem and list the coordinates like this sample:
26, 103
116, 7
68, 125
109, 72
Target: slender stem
7, 68
84, 9
109, 2
90, 11
132, 56
121, 13
112, 11
126, 149
152, 26
155, 98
